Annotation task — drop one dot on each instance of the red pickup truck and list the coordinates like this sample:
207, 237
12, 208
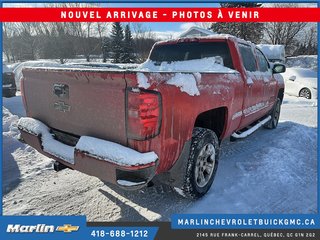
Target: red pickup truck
165, 119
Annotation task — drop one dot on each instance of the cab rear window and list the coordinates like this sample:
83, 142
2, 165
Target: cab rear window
192, 50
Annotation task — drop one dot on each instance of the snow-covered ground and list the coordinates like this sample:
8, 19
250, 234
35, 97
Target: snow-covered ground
271, 171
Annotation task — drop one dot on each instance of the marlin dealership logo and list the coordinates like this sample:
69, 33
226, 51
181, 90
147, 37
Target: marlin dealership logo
40, 228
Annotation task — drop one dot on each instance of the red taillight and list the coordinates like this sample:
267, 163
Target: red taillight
143, 113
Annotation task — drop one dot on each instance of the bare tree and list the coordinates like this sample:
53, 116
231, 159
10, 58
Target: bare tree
84, 31
8, 31
144, 39
250, 31
284, 33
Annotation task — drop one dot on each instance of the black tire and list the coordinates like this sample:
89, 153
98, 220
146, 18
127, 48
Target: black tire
201, 163
275, 114
305, 93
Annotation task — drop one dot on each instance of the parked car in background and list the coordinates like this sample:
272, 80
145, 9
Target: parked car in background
301, 82
8, 83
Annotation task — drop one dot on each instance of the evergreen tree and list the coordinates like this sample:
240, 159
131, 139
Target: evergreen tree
251, 31
105, 48
117, 42
128, 45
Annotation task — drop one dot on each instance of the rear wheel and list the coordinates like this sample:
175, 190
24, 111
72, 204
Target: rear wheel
202, 163
275, 114
305, 93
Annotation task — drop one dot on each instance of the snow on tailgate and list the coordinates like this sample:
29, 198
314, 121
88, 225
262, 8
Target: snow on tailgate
114, 152
98, 148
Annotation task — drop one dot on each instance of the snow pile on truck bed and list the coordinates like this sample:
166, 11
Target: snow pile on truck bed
114, 152
186, 82
142, 81
198, 65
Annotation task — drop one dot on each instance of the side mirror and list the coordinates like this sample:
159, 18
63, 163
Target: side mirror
292, 78
278, 68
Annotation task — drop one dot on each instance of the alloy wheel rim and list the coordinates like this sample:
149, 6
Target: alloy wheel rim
205, 165
276, 115
305, 93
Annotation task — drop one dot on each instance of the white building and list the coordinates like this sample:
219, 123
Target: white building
196, 32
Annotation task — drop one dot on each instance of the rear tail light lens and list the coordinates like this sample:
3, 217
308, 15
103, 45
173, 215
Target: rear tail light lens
143, 113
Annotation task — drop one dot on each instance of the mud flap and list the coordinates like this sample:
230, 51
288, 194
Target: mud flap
176, 175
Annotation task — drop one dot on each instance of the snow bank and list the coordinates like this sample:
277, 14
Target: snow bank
186, 82
114, 152
303, 61
9, 123
15, 105
197, 65
20, 161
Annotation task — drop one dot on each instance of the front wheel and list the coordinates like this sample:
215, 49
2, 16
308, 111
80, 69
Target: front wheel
275, 115
305, 93
202, 163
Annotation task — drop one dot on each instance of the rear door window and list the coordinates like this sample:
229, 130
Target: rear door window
248, 57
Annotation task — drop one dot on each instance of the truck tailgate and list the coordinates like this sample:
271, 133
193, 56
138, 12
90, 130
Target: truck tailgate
79, 102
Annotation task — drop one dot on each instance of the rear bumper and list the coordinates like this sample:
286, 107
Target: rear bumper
128, 176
